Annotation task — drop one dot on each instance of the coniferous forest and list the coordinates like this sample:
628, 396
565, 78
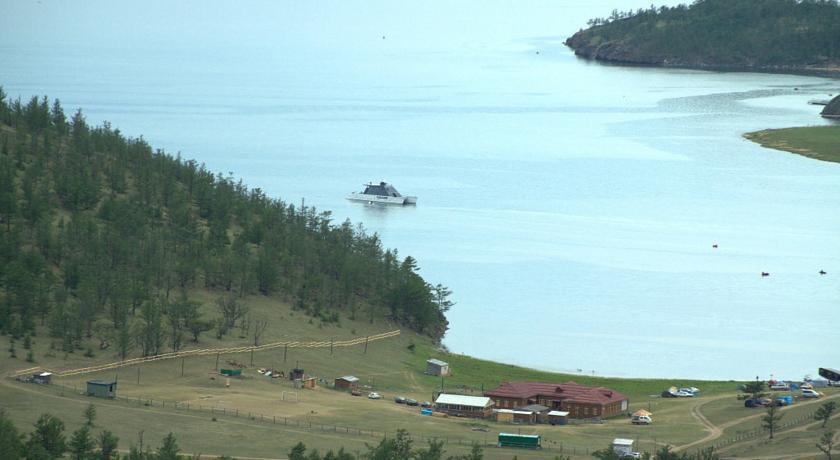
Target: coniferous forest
743, 34
103, 236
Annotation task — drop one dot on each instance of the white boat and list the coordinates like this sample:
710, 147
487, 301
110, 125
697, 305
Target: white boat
381, 193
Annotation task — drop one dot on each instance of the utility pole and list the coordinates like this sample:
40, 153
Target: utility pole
182, 366
285, 352
217, 361
366, 343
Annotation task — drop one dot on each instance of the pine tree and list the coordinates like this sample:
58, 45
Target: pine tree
81, 444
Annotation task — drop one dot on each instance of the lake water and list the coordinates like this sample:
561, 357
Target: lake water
570, 206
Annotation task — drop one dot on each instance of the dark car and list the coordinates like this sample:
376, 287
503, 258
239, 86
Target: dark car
425, 404
412, 402
759, 402
399, 400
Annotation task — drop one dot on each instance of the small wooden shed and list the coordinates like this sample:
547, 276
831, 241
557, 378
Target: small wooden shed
348, 382
102, 388
622, 447
437, 367
296, 373
504, 415
558, 417
43, 378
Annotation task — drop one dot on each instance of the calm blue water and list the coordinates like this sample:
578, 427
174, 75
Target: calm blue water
571, 206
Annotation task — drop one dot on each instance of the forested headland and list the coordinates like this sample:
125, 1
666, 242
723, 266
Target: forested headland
103, 236
765, 35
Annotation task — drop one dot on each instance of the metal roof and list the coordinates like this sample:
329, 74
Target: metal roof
437, 362
460, 400
520, 435
569, 391
101, 382
622, 442
511, 411
533, 408
558, 413
349, 378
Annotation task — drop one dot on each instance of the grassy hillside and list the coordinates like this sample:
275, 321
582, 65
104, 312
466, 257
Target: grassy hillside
103, 236
775, 35
261, 417
817, 142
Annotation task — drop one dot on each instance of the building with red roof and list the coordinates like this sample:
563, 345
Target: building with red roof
580, 401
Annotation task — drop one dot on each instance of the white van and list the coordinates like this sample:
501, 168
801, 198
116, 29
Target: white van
641, 420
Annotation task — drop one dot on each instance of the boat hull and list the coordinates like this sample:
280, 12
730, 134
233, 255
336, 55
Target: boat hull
398, 200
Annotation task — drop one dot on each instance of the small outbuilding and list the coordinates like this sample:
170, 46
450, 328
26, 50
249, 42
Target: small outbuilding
527, 441
558, 417
622, 447
348, 382
464, 406
503, 415
102, 388
296, 373
43, 378
437, 367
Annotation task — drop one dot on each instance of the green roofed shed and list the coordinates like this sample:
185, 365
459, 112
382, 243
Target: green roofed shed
528, 441
102, 388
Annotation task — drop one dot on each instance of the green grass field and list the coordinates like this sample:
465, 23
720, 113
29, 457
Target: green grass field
818, 142
262, 418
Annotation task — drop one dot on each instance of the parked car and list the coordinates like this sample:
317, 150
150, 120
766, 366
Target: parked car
684, 394
806, 386
632, 455
693, 390
780, 386
374, 395
834, 383
356, 392
806, 393
399, 400
758, 402
668, 394
412, 402
426, 404
641, 420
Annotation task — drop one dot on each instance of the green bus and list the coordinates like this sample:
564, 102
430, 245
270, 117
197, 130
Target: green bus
527, 441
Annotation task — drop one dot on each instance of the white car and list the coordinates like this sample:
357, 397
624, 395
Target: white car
374, 395
780, 386
806, 393
684, 394
641, 420
692, 390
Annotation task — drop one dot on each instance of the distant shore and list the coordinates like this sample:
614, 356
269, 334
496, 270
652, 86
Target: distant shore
817, 142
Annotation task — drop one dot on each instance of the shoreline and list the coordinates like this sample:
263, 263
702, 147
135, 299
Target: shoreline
821, 143
823, 72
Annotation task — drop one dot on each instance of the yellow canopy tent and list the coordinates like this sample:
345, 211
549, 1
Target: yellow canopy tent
641, 412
